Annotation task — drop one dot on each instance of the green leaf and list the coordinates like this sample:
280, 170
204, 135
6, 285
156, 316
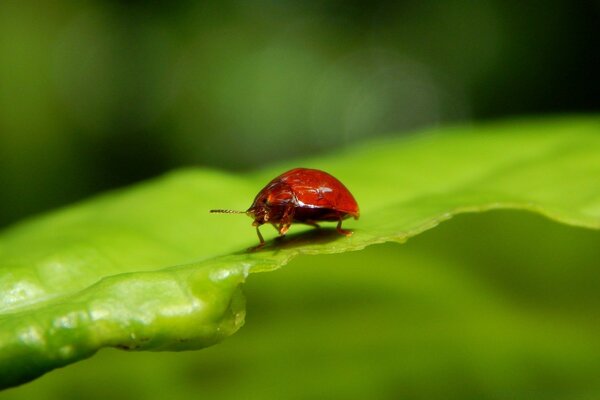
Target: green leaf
148, 268
484, 305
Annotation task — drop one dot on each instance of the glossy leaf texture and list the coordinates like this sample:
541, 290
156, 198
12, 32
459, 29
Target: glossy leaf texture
148, 268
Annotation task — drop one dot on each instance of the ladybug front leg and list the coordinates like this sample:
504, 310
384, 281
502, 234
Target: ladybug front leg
286, 220
283, 228
260, 237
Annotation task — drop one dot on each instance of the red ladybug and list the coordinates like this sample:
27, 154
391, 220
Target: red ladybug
301, 195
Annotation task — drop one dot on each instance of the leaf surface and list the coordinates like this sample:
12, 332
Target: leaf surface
147, 268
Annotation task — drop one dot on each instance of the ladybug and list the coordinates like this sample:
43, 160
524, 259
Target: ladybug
301, 195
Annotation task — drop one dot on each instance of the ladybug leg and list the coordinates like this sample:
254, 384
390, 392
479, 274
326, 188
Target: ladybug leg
343, 231
286, 220
312, 223
260, 237
283, 228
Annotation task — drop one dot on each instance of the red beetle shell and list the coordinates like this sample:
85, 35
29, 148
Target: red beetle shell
303, 195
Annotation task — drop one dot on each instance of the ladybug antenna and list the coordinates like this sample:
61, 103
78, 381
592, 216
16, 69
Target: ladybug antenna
227, 212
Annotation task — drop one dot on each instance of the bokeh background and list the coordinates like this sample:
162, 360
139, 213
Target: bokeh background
96, 95
99, 94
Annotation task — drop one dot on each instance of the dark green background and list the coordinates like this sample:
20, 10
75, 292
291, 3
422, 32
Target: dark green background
99, 94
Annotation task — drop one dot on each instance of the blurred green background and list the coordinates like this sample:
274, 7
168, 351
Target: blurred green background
100, 94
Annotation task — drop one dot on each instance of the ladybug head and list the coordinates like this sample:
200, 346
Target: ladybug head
270, 203
260, 212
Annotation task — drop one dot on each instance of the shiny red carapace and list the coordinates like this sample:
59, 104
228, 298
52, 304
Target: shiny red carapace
301, 195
